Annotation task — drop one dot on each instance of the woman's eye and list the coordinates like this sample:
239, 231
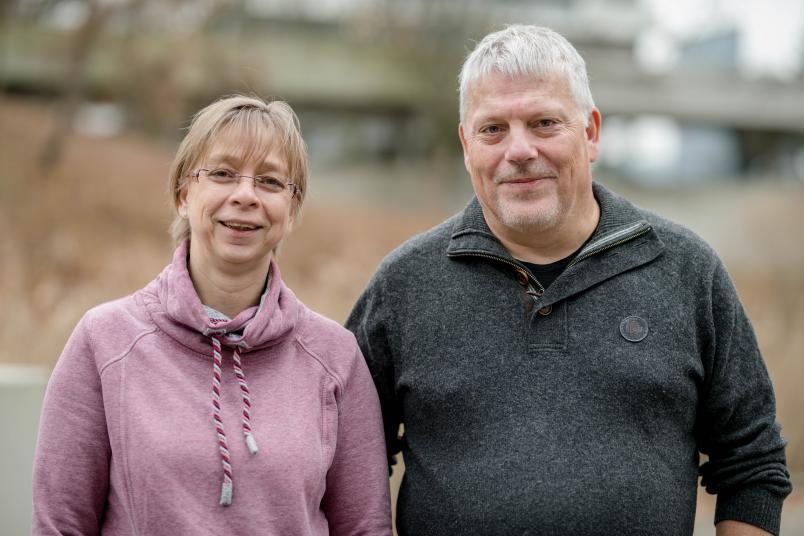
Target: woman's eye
266, 181
222, 173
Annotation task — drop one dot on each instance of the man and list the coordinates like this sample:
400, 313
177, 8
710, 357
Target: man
559, 357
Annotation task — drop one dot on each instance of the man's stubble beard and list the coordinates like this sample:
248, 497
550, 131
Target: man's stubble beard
539, 213
529, 215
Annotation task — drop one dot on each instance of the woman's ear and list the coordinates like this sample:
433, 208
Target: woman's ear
181, 202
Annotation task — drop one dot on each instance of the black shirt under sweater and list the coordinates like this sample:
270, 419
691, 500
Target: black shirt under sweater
547, 273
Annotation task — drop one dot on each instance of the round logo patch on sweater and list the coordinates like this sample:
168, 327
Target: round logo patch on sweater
634, 328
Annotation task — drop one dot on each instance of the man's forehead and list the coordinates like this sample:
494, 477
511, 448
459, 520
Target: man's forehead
495, 88
557, 80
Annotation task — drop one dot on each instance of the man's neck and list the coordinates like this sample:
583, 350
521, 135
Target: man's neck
545, 246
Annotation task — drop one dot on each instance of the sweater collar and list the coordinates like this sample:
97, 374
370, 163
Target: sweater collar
623, 240
471, 233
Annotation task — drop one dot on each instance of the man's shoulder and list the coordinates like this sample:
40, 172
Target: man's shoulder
420, 249
676, 238
683, 247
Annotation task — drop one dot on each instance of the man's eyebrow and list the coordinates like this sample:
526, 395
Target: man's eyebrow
546, 111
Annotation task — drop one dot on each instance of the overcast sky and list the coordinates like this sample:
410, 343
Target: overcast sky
771, 30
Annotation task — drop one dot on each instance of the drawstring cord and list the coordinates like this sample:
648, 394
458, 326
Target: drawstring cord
227, 485
241, 379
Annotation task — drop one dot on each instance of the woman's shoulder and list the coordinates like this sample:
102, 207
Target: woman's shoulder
328, 342
112, 328
126, 310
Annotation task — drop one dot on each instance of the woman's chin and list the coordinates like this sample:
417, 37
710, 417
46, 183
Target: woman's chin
243, 256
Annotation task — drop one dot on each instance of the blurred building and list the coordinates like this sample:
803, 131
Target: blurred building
376, 80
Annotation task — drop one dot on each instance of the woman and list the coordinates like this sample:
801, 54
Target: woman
212, 401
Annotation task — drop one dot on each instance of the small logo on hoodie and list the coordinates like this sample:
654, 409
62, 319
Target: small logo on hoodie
634, 328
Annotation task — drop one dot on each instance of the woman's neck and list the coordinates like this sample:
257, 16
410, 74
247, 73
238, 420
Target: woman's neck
227, 291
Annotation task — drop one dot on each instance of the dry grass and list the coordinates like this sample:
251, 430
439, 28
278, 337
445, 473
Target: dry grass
95, 229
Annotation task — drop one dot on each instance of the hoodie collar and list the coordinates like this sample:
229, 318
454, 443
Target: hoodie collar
180, 313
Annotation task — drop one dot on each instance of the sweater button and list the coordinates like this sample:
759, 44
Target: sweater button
522, 277
546, 310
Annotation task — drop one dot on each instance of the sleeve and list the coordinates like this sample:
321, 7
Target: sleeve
71, 465
368, 321
737, 426
357, 500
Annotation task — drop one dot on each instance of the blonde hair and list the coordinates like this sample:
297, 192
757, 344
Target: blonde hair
265, 124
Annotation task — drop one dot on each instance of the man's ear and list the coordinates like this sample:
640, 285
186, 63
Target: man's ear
465, 145
593, 133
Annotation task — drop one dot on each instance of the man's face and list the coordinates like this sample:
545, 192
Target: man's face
529, 152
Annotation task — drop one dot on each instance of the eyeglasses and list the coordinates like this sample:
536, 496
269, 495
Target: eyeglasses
224, 178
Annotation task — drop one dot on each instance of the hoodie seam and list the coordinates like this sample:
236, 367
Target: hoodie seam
320, 361
124, 461
328, 451
125, 352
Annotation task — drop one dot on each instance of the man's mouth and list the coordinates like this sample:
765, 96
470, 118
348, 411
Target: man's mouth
520, 180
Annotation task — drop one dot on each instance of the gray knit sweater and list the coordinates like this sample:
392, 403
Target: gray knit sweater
578, 410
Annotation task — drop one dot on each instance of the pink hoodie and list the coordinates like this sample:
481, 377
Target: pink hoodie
127, 441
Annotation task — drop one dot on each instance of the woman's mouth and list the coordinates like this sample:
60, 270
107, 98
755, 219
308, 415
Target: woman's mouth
236, 226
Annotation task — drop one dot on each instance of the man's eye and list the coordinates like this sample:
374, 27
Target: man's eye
546, 123
222, 174
491, 129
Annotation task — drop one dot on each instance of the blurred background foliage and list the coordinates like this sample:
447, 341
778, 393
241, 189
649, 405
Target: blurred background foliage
703, 121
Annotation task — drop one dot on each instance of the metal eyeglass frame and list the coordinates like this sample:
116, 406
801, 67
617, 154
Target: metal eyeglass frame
294, 188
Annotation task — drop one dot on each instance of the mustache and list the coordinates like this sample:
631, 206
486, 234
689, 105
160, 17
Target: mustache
525, 171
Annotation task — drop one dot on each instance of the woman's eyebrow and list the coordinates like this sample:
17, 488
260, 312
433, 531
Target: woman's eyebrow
235, 161
224, 158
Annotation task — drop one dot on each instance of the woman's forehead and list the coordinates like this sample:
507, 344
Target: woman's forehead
240, 148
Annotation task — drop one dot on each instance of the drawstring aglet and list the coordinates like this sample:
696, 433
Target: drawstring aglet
251, 443
226, 493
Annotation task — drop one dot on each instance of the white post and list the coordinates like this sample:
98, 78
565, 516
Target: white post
21, 391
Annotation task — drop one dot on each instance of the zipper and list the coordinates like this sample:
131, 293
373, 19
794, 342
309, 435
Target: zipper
476, 253
600, 245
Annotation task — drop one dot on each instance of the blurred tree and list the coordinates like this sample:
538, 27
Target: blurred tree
84, 41
433, 36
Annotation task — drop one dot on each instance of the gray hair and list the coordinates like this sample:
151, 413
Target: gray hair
527, 50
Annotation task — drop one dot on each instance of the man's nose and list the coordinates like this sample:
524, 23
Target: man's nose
521, 146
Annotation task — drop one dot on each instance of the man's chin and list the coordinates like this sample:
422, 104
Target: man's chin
528, 218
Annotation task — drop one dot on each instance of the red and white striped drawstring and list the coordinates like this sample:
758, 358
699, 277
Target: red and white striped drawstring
226, 487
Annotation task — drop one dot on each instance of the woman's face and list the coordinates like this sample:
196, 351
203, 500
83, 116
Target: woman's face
235, 227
